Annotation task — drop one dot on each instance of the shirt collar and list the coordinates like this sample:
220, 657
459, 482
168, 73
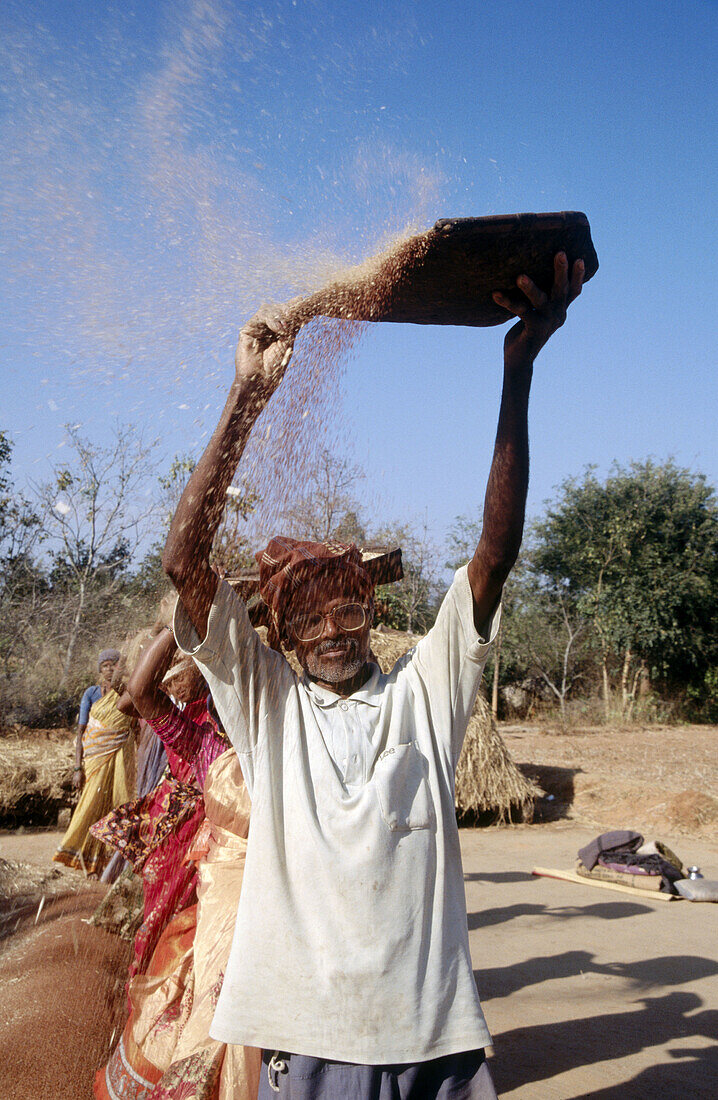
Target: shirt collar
369, 693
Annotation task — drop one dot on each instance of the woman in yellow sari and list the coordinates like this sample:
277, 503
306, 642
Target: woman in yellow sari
103, 766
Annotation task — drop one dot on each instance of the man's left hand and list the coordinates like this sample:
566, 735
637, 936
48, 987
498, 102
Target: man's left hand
540, 313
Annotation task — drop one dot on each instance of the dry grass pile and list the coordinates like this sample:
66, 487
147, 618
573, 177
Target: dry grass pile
35, 777
693, 811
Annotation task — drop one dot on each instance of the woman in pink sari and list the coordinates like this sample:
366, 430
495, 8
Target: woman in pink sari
165, 1052
155, 832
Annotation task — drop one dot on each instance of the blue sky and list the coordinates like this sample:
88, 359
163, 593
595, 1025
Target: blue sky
168, 167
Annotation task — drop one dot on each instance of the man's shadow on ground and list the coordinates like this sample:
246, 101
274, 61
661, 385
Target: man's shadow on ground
611, 910
528, 1055
691, 1077
643, 975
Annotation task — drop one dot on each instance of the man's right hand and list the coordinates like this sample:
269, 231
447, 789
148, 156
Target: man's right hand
265, 348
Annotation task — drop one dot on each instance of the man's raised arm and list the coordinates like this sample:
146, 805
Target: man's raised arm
539, 316
263, 353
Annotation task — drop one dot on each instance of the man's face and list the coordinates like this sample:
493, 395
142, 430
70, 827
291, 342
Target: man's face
337, 654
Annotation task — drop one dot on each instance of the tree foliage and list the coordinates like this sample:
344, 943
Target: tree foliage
637, 555
23, 586
617, 584
412, 603
327, 508
545, 635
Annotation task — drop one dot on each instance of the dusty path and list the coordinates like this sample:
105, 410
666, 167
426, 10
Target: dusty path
33, 845
588, 993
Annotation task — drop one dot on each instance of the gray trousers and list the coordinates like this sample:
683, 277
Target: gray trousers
463, 1076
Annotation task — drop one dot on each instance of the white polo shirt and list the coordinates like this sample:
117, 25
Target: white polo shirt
351, 940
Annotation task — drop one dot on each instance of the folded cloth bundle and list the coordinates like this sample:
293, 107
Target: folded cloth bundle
605, 874
621, 856
638, 865
625, 839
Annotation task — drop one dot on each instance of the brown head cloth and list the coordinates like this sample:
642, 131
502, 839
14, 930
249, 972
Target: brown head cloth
287, 564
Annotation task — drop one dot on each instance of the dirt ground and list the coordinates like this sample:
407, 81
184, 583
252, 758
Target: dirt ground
653, 778
587, 992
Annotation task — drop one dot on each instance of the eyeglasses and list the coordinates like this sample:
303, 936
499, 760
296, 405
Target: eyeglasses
309, 626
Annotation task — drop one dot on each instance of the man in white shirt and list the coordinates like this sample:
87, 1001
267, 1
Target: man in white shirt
350, 964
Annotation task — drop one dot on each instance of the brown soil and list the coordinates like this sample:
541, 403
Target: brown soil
658, 779
62, 1001
560, 979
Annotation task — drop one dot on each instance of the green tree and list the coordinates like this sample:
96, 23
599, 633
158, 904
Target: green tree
637, 556
230, 550
19, 523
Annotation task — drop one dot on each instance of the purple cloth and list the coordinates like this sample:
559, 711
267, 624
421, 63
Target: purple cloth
606, 842
151, 759
463, 1076
192, 735
629, 868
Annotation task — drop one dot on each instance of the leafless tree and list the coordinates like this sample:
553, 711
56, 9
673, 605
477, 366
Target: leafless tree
552, 634
328, 499
94, 512
413, 599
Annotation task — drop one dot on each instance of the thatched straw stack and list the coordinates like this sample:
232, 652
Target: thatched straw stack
487, 780
488, 783
35, 774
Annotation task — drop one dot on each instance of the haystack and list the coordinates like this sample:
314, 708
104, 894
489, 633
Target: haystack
35, 778
489, 786
487, 780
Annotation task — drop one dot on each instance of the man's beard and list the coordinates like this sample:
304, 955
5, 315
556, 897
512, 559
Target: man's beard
334, 671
